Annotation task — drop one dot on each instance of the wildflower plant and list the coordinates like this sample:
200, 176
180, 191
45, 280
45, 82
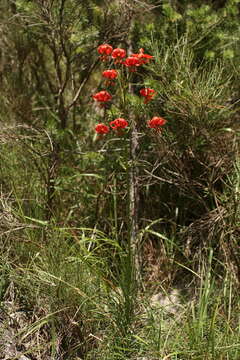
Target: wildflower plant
122, 121
122, 69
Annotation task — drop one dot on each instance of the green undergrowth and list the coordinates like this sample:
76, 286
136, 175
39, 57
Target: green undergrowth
67, 268
80, 307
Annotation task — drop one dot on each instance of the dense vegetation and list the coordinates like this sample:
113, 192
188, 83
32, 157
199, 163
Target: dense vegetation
93, 225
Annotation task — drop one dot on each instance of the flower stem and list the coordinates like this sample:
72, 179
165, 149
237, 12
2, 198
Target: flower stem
134, 193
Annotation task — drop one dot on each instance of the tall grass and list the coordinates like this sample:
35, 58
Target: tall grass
78, 306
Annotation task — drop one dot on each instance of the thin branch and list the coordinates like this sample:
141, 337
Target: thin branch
82, 85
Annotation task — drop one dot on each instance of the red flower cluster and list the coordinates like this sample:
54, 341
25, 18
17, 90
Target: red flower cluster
102, 96
118, 54
132, 62
156, 123
106, 50
148, 94
118, 124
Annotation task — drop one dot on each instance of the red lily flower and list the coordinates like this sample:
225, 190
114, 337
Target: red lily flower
110, 74
101, 129
105, 50
118, 124
118, 54
148, 94
143, 58
102, 96
156, 123
132, 62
